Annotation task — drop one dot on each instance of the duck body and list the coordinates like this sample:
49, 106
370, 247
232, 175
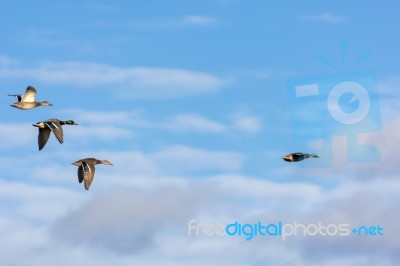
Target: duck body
27, 101
30, 105
298, 156
86, 169
51, 125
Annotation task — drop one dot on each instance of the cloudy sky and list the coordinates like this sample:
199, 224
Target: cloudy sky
195, 103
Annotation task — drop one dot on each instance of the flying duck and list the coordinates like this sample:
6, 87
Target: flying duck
27, 100
48, 126
86, 169
298, 156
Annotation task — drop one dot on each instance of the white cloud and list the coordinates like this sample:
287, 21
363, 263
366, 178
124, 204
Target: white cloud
127, 220
325, 17
96, 117
246, 123
199, 20
85, 133
193, 122
17, 135
351, 209
386, 141
130, 82
35, 202
232, 198
122, 119
388, 86
127, 223
188, 21
7, 61
383, 141
181, 122
387, 92
184, 158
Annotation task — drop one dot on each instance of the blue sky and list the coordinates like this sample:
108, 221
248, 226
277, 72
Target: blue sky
191, 101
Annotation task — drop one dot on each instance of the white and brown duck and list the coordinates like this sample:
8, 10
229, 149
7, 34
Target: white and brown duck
27, 101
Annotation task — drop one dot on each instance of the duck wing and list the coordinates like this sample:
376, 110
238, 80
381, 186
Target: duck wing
80, 170
43, 137
80, 173
86, 173
29, 95
296, 156
55, 126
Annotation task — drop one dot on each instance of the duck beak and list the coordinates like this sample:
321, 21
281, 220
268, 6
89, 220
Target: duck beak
286, 158
36, 125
